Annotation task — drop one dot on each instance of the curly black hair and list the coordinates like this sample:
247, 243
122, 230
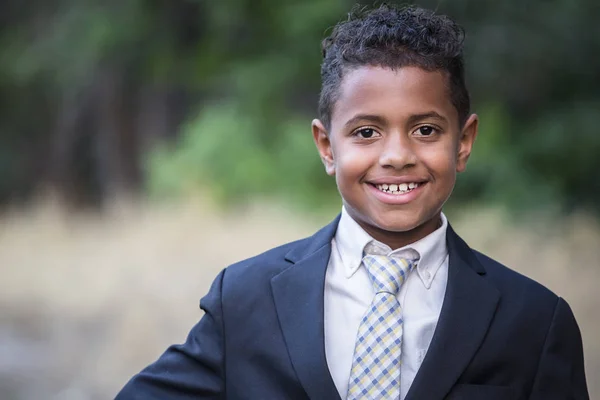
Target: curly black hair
393, 37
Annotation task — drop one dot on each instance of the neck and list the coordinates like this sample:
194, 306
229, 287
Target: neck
396, 240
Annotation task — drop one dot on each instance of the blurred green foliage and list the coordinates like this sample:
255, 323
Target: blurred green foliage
251, 70
222, 149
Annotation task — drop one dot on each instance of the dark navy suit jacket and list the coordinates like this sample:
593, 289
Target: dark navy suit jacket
500, 335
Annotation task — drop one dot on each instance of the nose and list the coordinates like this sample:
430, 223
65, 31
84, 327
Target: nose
397, 152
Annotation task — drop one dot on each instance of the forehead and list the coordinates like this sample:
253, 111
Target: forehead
394, 94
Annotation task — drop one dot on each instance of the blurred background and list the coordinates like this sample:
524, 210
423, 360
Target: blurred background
145, 145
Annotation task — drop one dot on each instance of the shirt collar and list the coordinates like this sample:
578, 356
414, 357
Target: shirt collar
431, 250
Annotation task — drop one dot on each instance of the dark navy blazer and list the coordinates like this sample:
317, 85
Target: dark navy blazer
500, 335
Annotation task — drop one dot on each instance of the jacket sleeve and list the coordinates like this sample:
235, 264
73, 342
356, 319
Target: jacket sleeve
193, 370
560, 373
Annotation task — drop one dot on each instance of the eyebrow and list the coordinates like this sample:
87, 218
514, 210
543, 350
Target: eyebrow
376, 119
419, 117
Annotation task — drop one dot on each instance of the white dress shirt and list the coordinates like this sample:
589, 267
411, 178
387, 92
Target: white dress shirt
349, 292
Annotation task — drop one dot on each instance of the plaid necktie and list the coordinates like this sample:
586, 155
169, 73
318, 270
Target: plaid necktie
375, 370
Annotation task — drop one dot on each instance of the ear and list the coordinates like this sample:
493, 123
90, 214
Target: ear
321, 138
465, 142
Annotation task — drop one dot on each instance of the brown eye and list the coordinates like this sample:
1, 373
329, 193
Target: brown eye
366, 133
426, 130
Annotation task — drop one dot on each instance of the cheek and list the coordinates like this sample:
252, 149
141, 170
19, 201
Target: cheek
441, 161
353, 161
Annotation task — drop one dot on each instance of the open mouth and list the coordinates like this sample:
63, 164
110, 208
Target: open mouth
401, 188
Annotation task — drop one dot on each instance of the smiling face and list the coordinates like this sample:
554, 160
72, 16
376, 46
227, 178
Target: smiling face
394, 146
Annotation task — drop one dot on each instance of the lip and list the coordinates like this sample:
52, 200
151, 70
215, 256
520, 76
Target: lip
396, 199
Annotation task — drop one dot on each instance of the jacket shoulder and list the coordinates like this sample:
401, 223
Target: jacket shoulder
259, 269
273, 261
515, 284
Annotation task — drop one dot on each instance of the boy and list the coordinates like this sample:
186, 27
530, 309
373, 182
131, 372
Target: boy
387, 301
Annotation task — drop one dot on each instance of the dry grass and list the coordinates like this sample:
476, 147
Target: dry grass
88, 300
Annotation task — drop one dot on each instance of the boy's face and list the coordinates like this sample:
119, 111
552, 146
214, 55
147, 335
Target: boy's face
394, 147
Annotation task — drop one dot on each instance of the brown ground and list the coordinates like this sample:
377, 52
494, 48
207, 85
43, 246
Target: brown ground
86, 301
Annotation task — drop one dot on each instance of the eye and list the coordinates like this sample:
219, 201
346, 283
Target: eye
365, 133
425, 130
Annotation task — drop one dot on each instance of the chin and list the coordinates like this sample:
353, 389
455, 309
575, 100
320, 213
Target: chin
398, 225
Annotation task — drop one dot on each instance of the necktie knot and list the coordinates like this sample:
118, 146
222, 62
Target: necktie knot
387, 273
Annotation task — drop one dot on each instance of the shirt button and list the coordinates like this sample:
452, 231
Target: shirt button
426, 275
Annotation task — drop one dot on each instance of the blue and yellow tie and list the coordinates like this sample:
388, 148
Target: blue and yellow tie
376, 364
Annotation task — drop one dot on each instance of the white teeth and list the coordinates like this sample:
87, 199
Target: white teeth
397, 189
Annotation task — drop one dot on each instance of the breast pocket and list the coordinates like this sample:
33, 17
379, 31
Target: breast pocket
481, 392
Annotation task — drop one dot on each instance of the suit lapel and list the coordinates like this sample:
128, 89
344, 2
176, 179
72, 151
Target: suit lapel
298, 294
469, 306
